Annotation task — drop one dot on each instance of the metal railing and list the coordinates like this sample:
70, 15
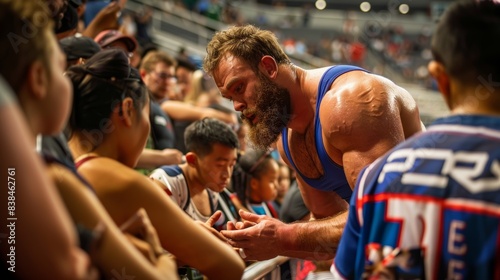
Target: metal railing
260, 269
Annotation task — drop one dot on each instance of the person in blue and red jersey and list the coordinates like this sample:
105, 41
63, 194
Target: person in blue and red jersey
430, 208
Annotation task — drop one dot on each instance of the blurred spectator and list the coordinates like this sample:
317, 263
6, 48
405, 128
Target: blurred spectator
306, 14
115, 39
78, 49
69, 23
254, 182
142, 20
184, 73
195, 185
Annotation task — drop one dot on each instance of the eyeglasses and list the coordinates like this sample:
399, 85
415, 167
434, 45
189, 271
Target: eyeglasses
164, 76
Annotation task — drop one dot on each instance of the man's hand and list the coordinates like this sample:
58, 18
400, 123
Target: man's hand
107, 18
257, 236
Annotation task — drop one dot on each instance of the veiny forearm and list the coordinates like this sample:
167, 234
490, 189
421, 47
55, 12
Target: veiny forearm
315, 240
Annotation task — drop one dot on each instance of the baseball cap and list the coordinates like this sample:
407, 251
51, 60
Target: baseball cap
106, 37
79, 47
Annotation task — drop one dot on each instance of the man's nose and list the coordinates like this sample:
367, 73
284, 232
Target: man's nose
239, 106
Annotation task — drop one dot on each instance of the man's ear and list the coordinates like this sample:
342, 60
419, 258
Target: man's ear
37, 80
437, 70
126, 111
191, 159
269, 66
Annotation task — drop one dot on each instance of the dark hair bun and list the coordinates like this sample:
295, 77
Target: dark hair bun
109, 63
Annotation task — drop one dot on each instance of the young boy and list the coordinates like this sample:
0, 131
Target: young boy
194, 185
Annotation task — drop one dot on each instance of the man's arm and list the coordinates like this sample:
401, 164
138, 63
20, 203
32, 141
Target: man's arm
316, 240
181, 111
150, 158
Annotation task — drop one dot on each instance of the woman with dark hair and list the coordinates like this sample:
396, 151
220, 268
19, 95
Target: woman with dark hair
109, 128
46, 246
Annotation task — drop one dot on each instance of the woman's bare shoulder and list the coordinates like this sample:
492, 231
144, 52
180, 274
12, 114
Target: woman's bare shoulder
110, 174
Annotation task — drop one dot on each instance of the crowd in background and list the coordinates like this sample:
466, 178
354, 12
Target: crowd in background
109, 51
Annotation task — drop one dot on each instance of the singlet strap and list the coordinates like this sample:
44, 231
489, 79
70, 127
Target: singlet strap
333, 178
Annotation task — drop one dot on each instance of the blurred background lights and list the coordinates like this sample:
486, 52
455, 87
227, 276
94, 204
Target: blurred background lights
404, 9
320, 4
365, 7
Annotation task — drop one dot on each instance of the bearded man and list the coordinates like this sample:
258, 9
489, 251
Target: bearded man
328, 124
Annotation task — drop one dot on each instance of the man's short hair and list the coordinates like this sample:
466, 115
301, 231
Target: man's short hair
467, 41
200, 136
151, 59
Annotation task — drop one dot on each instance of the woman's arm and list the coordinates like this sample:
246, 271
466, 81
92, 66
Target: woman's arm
187, 241
114, 254
150, 158
181, 111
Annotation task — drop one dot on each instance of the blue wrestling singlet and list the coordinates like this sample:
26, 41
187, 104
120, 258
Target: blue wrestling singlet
333, 178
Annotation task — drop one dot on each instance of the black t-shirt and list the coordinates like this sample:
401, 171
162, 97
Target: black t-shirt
162, 131
293, 207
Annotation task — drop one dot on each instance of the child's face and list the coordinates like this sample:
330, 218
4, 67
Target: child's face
265, 186
216, 168
283, 181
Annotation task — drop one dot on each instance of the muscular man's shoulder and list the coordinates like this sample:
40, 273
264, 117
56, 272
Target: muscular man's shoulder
357, 105
356, 91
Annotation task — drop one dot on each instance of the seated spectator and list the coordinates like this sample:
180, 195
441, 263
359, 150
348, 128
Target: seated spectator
78, 49
203, 91
284, 180
159, 151
69, 23
115, 39
158, 72
44, 96
194, 186
161, 142
110, 127
254, 183
54, 230
184, 74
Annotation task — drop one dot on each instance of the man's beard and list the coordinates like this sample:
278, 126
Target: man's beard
273, 112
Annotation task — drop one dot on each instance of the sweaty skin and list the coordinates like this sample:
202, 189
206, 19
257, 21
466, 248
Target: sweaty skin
362, 115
